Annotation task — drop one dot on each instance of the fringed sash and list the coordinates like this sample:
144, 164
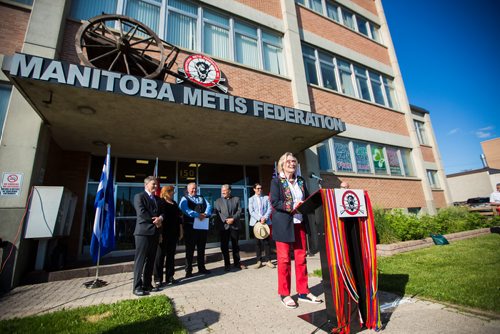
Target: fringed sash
341, 276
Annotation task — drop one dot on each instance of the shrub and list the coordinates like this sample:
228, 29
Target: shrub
395, 225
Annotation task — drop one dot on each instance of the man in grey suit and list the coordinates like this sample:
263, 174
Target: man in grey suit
260, 211
149, 212
228, 211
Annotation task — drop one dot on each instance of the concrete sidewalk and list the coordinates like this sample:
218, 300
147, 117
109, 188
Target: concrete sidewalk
243, 301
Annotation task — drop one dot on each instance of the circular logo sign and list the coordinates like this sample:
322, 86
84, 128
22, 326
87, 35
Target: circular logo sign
12, 178
202, 69
350, 202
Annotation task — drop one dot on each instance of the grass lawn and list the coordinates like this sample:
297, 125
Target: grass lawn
144, 315
465, 272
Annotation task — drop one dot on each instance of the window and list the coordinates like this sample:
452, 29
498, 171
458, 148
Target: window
246, 45
376, 84
84, 10
273, 53
215, 34
393, 161
342, 155
378, 158
361, 156
181, 24
332, 11
325, 162
147, 12
406, 159
346, 78
362, 25
390, 93
420, 129
362, 83
327, 69
5, 91
310, 64
432, 178
348, 18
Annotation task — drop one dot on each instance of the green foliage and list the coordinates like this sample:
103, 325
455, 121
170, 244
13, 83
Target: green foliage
144, 315
464, 272
395, 225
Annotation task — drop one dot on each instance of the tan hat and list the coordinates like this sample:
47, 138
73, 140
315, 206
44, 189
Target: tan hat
261, 231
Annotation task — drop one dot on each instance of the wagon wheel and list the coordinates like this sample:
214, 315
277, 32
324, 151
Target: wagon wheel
119, 43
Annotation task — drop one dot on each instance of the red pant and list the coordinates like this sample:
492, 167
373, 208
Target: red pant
284, 263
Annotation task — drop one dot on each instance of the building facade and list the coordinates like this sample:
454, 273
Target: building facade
318, 78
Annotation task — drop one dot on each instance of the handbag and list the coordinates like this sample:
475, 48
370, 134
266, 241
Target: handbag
439, 239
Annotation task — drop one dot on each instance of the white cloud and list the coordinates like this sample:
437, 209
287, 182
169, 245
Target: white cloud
453, 131
484, 132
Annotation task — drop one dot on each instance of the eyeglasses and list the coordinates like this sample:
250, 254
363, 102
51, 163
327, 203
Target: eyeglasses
291, 161
259, 188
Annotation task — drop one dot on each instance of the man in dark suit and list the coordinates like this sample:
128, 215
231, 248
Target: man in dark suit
228, 212
149, 212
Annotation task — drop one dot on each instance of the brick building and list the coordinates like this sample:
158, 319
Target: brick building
318, 78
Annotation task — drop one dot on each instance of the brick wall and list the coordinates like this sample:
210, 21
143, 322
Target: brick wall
384, 193
356, 112
367, 4
68, 51
439, 199
335, 32
13, 24
271, 7
427, 154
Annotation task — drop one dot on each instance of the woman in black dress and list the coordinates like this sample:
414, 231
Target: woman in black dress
171, 233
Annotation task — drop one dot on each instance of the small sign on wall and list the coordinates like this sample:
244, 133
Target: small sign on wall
11, 184
350, 203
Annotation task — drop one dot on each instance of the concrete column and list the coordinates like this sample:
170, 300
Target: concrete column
293, 56
19, 145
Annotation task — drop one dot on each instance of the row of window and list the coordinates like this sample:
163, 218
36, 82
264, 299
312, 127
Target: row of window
344, 16
344, 155
194, 27
332, 72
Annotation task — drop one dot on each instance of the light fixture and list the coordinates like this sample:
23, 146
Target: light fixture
232, 143
297, 138
163, 177
99, 143
130, 176
192, 164
142, 162
86, 110
167, 137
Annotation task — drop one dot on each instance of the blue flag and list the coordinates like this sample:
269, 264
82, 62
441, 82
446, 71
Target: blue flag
103, 235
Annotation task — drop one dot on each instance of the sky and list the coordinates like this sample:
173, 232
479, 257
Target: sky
449, 55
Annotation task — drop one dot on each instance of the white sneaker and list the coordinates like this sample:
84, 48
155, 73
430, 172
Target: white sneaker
270, 264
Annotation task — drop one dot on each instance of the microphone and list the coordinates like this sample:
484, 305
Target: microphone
314, 176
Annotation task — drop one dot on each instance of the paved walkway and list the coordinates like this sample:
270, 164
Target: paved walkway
239, 302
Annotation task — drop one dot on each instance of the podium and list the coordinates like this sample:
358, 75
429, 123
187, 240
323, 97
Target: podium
345, 232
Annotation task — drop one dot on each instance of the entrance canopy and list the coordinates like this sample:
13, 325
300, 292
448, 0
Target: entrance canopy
88, 107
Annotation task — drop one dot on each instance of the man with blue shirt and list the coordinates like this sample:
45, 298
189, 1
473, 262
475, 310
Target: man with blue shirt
194, 206
260, 212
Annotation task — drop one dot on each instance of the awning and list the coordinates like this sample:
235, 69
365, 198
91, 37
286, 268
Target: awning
86, 107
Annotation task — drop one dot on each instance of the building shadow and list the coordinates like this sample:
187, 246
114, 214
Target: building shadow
199, 320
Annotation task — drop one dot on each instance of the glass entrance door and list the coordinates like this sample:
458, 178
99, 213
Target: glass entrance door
125, 214
211, 193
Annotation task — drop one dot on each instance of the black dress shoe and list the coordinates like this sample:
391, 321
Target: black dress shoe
188, 274
140, 292
227, 269
205, 271
147, 288
156, 288
171, 281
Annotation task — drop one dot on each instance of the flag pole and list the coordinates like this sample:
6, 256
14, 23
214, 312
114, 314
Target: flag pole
98, 283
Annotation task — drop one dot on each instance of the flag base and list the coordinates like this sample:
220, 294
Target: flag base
97, 283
